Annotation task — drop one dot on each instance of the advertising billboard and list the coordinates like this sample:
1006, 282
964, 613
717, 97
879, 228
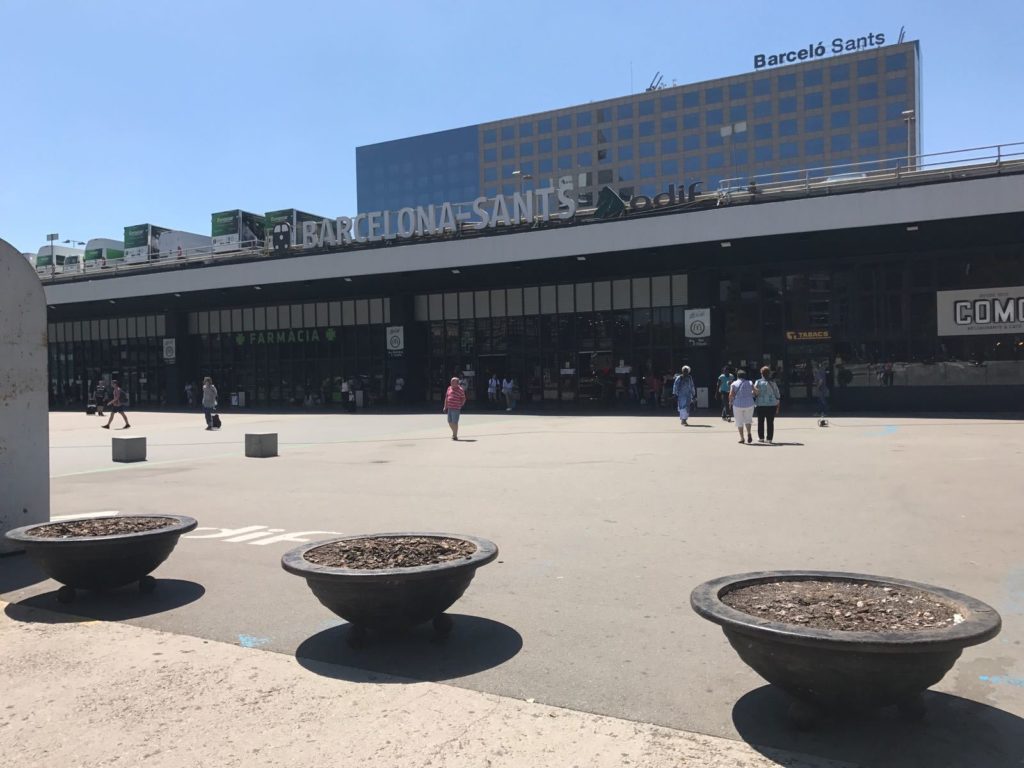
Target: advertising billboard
142, 242
236, 229
980, 312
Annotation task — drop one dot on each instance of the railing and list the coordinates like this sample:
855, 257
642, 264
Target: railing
205, 254
954, 164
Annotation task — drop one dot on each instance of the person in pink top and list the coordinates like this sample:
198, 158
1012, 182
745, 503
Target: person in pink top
454, 400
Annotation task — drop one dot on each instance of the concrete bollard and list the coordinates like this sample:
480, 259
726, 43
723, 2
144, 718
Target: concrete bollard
260, 445
128, 449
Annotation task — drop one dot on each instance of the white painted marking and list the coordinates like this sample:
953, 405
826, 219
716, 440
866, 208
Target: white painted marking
256, 534
83, 515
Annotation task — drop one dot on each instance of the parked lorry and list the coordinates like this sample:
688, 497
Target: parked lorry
148, 242
237, 229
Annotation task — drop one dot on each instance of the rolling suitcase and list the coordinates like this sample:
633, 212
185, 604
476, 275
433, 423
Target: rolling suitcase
216, 421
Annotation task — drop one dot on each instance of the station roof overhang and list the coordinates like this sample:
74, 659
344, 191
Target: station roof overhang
940, 216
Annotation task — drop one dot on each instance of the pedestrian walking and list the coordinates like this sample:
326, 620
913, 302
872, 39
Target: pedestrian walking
100, 396
118, 401
209, 401
686, 393
492, 390
767, 402
190, 395
725, 380
454, 402
508, 386
741, 399
821, 389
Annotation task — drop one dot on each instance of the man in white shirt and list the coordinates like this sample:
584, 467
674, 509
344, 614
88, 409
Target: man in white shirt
507, 385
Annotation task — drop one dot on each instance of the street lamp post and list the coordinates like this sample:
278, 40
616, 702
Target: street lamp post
908, 118
522, 177
53, 237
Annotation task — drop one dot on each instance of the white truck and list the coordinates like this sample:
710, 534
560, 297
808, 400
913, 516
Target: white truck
54, 259
148, 242
235, 230
102, 252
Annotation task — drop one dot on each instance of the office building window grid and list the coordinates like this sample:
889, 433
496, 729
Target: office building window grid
840, 112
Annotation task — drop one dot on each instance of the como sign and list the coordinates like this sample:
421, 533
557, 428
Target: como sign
980, 312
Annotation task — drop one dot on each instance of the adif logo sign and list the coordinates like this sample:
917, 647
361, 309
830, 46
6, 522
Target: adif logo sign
988, 311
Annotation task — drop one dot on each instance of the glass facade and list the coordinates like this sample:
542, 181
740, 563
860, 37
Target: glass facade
684, 124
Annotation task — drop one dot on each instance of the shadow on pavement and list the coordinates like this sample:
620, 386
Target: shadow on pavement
474, 645
113, 605
17, 572
954, 732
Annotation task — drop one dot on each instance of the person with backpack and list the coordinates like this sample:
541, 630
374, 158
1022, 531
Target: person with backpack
767, 402
209, 401
686, 392
725, 380
741, 399
118, 402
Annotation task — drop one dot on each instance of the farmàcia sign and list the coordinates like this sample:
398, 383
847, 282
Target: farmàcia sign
484, 212
817, 51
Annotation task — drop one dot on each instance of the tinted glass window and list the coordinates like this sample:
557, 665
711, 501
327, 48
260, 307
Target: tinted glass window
691, 142
525, 129
585, 159
785, 82
565, 162
669, 167
712, 95
508, 151
490, 155
763, 109
739, 157
626, 152
788, 149
814, 100
526, 148
647, 128
896, 87
624, 111
544, 165
544, 126
867, 114
647, 149
716, 160
713, 139
895, 61
895, 110
647, 170
762, 154
692, 120
814, 147
668, 146
627, 173
867, 91
544, 146
841, 142
713, 117
813, 77
787, 105
737, 113
490, 136
565, 142
738, 91
839, 72
647, 107
814, 123
840, 95
787, 127
896, 134
668, 103
841, 119
763, 131
604, 114
584, 139
624, 132
691, 164
583, 119
507, 132
867, 67
691, 99
564, 122
762, 87
669, 125
867, 139
490, 174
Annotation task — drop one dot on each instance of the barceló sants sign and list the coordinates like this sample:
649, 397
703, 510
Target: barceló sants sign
819, 50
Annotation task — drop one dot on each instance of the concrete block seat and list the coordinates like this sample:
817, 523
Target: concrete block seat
260, 445
128, 449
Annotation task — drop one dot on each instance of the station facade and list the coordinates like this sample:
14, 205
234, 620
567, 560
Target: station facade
907, 295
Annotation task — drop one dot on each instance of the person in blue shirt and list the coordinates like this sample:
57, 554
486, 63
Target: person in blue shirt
767, 400
724, 381
741, 398
686, 392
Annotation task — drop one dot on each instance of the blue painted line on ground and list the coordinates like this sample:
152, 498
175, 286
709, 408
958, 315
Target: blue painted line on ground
249, 641
1002, 680
889, 430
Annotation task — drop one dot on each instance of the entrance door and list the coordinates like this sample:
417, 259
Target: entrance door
595, 374
802, 360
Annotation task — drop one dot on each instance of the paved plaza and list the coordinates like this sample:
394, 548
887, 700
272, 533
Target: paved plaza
605, 524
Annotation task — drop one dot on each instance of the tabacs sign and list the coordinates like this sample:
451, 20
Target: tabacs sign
819, 50
980, 312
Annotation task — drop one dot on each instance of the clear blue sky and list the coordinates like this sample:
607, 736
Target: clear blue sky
120, 112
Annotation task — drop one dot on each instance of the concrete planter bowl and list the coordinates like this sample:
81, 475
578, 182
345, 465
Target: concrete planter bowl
833, 671
392, 599
102, 562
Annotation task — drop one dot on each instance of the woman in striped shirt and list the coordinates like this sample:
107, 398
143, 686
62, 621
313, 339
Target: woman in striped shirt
454, 400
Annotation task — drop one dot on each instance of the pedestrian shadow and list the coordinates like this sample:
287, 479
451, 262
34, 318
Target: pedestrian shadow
774, 445
466, 440
699, 426
109, 605
18, 571
474, 645
954, 732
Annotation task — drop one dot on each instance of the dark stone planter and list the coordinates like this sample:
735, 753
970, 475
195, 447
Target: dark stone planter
393, 599
103, 562
839, 671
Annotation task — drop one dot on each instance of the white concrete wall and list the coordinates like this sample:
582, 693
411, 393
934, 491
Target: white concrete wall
24, 425
910, 205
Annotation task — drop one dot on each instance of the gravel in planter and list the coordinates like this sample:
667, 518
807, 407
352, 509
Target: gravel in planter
841, 605
390, 552
111, 526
